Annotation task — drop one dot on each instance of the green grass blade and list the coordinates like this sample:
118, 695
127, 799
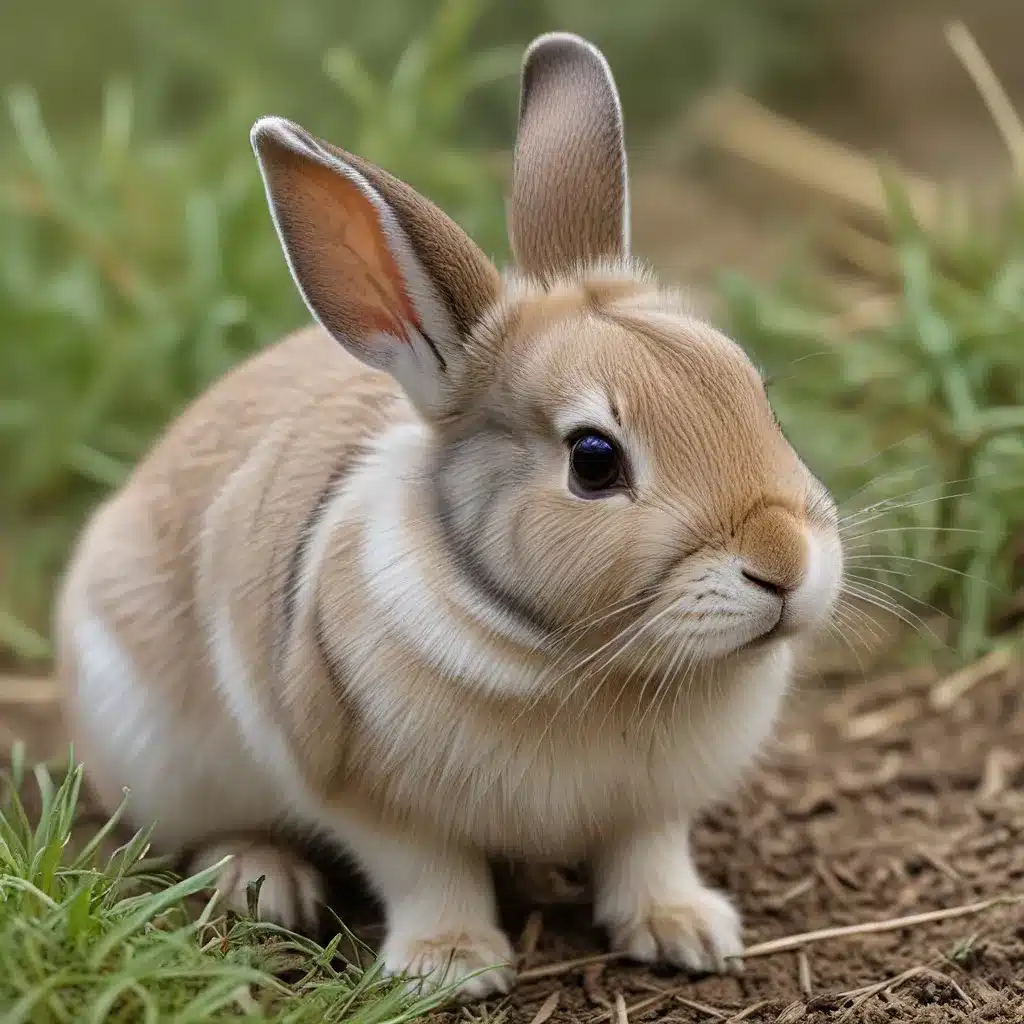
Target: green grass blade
152, 906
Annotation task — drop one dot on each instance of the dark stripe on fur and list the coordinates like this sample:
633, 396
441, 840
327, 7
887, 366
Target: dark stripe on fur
309, 525
442, 362
335, 670
468, 563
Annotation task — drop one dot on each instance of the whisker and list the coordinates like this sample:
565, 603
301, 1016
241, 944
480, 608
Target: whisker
664, 678
915, 529
892, 472
855, 563
847, 615
852, 521
860, 614
933, 565
868, 581
687, 671
643, 625
858, 589
883, 603
607, 665
894, 501
835, 630
669, 609
548, 685
665, 687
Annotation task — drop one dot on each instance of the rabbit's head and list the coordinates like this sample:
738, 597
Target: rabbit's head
605, 466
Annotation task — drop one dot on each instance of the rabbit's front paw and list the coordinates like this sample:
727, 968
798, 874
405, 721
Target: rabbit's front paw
657, 909
477, 962
700, 932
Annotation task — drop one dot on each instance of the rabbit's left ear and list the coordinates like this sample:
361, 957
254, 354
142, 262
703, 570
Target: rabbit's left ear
570, 194
386, 273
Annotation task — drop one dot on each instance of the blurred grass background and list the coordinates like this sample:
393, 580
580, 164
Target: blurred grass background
138, 260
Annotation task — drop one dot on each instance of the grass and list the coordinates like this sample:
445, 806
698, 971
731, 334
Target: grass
83, 938
910, 402
190, 58
136, 271
916, 421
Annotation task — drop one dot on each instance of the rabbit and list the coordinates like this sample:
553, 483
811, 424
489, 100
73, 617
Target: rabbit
478, 564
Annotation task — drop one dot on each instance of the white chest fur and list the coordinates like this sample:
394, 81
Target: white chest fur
454, 727
551, 781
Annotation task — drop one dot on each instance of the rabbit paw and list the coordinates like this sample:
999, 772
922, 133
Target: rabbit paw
476, 962
700, 933
291, 890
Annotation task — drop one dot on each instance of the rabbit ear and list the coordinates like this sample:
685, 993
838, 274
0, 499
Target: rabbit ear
570, 193
386, 273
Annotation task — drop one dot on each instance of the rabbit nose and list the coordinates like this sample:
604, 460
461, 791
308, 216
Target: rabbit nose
773, 551
762, 580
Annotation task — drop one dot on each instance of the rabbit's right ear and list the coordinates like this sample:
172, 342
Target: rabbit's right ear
570, 193
386, 273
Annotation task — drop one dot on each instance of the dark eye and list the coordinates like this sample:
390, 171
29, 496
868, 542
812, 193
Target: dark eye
595, 464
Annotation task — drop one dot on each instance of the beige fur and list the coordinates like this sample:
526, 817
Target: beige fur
353, 589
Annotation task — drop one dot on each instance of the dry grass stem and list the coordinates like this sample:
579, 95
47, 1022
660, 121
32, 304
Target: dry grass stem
641, 1006
939, 864
884, 720
749, 1011
531, 933
26, 690
870, 991
739, 125
690, 1004
862, 995
953, 984
947, 692
566, 966
621, 1013
803, 965
1000, 107
864, 253
999, 763
839, 894
797, 890
547, 1008
790, 942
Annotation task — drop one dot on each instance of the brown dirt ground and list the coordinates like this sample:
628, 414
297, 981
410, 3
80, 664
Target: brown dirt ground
872, 804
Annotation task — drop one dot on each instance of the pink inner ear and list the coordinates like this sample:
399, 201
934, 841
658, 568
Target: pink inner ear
340, 250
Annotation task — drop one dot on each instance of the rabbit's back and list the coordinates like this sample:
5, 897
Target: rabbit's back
218, 503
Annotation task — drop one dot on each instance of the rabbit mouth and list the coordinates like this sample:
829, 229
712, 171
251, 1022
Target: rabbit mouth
783, 629
779, 629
